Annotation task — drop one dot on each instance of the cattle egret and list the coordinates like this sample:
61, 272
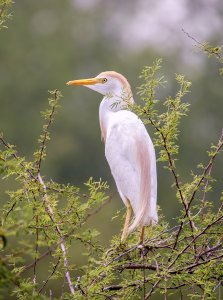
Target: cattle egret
128, 149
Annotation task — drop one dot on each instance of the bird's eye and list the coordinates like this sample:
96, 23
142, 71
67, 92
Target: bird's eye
104, 80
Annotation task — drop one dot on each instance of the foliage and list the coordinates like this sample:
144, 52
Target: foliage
5, 14
206, 47
43, 220
35, 219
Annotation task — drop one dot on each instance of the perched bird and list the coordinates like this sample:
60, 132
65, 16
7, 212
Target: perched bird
128, 149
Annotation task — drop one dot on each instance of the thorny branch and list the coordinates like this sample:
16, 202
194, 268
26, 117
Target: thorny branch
62, 244
207, 168
7, 146
177, 182
189, 268
204, 46
53, 247
159, 269
203, 176
45, 134
51, 274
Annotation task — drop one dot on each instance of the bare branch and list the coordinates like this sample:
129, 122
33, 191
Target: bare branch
204, 46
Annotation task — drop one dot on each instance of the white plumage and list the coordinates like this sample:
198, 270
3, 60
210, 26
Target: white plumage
128, 149
131, 157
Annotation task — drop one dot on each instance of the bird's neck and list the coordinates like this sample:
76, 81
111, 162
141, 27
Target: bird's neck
104, 115
108, 107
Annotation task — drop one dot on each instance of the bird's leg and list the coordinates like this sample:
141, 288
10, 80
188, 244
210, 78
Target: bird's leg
141, 239
127, 221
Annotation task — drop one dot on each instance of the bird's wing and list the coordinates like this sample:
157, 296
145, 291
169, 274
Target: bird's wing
131, 156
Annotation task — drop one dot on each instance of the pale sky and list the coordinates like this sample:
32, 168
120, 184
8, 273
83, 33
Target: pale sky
158, 23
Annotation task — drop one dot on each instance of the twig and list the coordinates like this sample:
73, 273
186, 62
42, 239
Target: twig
121, 255
209, 251
192, 38
62, 244
78, 286
207, 168
134, 266
195, 238
51, 274
192, 266
152, 289
36, 251
146, 242
10, 210
46, 253
177, 182
51, 249
218, 285
17, 158
202, 45
203, 201
45, 133
203, 176
144, 275
117, 287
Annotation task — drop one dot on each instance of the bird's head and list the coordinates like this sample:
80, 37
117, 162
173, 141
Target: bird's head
109, 83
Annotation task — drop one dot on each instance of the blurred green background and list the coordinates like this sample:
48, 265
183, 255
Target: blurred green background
50, 42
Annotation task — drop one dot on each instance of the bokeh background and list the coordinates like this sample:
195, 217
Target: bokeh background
50, 42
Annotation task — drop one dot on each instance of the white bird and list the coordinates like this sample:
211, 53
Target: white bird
128, 149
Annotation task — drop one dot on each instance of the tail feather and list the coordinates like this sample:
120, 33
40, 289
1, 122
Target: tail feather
145, 213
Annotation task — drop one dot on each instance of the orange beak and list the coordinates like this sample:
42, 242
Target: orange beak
88, 81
